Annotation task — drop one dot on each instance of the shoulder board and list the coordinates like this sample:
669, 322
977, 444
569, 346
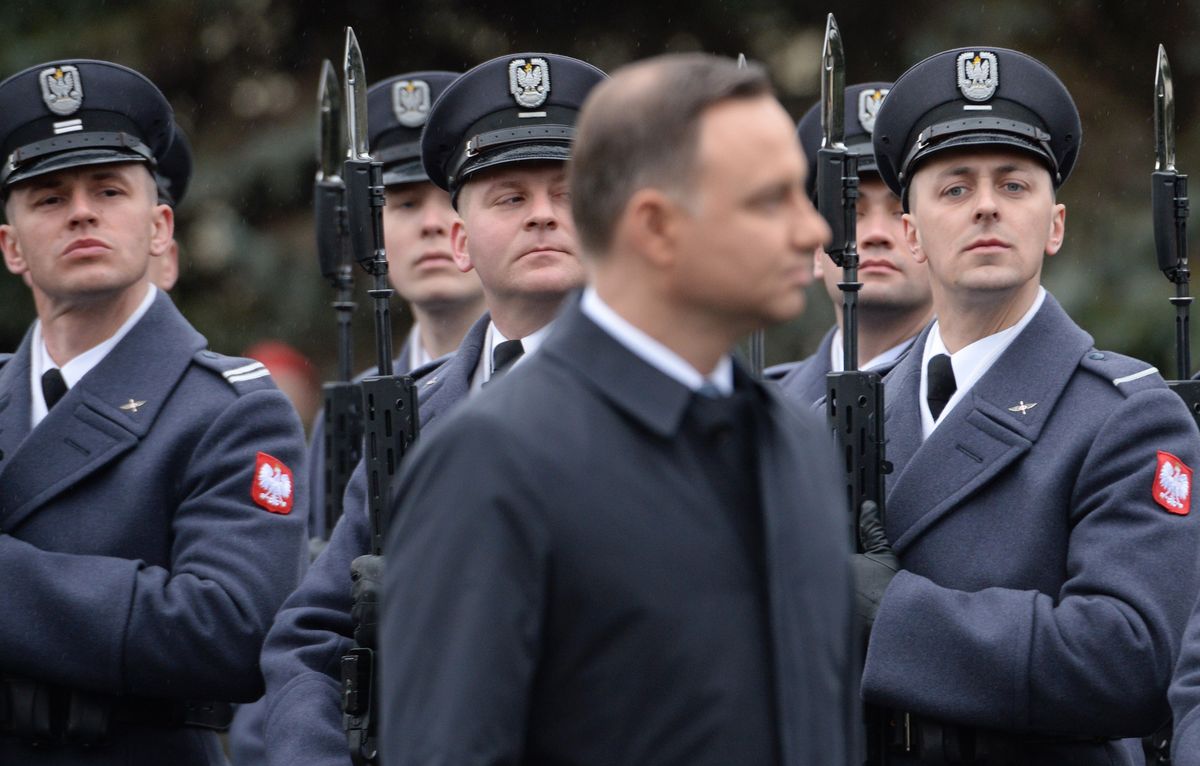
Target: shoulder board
1126, 374
243, 374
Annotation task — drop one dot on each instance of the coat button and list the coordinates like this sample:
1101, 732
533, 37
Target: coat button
1097, 355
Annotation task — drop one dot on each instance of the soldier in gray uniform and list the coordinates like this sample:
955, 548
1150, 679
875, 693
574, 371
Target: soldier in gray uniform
516, 231
894, 303
628, 551
150, 522
1040, 504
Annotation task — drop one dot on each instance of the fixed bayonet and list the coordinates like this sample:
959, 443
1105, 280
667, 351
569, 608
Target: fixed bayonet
1169, 203
1164, 114
331, 150
833, 87
356, 97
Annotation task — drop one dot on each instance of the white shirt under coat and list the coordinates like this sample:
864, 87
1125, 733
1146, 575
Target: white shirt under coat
969, 363
651, 351
40, 360
483, 370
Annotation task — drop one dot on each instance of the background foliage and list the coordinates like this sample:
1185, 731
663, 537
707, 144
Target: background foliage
242, 77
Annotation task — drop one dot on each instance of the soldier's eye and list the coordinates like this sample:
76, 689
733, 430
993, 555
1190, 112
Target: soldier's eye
955, 191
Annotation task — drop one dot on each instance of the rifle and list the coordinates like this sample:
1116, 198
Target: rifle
342, 414
1169, 202
389, 403
854, 398
1169, 205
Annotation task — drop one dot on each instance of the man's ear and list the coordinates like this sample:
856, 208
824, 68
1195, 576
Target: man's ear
912, 238
458, 246
162, 229
651, 225
1058, 229
11, 246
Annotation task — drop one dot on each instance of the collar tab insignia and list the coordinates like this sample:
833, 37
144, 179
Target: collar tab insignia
1022, 407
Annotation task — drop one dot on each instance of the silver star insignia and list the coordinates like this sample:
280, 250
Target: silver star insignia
132, 406
1022, 407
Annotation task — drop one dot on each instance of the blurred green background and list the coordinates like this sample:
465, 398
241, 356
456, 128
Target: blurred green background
242, 77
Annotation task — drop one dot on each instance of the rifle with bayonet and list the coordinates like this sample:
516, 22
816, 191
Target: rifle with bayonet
1169, 205
854, 398
1169, 202
342, 433
389, 402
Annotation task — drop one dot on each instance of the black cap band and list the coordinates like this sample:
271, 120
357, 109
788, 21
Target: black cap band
29, 158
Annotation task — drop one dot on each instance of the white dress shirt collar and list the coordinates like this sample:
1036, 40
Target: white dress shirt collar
837, 357
492, 338
970, 363
72, 371
653, 352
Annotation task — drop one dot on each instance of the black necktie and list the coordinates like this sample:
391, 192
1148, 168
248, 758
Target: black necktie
53, 387
939, 384
504, 356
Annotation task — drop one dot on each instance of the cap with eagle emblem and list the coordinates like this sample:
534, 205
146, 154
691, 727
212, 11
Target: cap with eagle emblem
397, 110
80, 112
976, 96
862, 104
505, 110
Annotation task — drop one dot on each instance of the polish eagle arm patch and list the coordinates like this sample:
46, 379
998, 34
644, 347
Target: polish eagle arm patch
273, 484
1172, 484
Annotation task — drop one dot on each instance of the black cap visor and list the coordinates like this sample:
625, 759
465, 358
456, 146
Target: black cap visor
79, 150
408, 172
508, 155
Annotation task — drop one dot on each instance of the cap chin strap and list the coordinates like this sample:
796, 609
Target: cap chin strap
496, 139
934, 135
28, 153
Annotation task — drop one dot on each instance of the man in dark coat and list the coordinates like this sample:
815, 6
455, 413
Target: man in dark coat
628, 551
894, 303
1041, 487
151, 523
302, 656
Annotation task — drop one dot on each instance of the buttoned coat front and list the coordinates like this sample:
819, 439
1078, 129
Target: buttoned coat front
562, 580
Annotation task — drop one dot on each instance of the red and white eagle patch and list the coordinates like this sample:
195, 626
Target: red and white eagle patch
272, 486
1173, 484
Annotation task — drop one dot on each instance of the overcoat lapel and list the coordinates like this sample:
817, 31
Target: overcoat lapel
88, 429
451, 382
15, 401
983, 435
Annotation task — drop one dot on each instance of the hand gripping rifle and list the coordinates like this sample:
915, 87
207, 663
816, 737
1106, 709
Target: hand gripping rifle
854, 399
389, 403
342, 414
1169, 201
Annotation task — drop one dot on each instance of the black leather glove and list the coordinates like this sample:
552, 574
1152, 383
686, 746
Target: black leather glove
367, 573
874, 568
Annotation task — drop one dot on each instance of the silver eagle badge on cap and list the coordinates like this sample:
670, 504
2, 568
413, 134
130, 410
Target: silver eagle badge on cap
411, 102
978, 75
868, 107
529, 81
62, 89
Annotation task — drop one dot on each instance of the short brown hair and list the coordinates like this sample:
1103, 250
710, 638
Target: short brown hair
641, 129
